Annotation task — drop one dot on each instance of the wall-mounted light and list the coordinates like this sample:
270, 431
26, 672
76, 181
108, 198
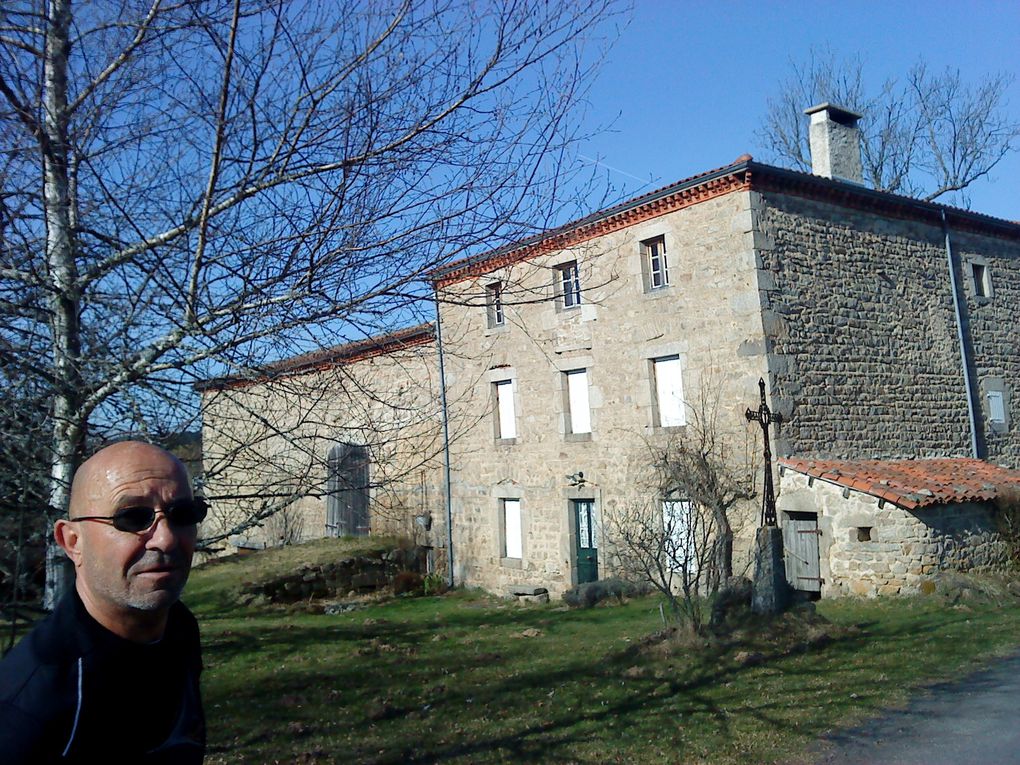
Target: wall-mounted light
576, 479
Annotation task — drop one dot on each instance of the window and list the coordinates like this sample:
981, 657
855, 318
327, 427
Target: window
669, 392
494, 304
568, 285
513, 538
679, 543
506, 418
996, 407
587, 523
997, 403
656, 268
577, 401
982, 281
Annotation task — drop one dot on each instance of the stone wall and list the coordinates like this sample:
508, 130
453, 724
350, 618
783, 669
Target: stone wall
356, 575
847, 314
709, 316
900, 549
865, 357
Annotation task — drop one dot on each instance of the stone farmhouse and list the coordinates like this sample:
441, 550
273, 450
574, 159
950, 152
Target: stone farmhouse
883, 326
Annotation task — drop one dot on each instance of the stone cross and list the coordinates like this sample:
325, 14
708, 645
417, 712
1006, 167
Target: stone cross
764, 416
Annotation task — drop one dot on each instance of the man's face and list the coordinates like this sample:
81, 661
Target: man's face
120, 571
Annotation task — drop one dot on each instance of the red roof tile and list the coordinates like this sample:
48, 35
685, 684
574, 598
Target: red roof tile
913, 484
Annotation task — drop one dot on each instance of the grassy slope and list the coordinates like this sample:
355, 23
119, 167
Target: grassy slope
219, 581
463, 678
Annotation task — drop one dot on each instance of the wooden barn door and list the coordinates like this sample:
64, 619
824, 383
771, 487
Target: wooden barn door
800, 541
347, 491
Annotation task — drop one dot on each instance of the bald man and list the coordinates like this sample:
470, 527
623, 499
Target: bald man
111, 676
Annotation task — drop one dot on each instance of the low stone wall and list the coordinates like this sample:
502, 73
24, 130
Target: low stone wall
357, 575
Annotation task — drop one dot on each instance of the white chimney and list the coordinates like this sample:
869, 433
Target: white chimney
835, 143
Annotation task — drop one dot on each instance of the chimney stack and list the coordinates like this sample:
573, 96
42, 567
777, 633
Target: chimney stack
835, 143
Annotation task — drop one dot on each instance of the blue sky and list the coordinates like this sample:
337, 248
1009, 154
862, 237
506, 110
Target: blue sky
686, 84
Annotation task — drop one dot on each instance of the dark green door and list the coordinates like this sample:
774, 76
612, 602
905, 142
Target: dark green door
587, 541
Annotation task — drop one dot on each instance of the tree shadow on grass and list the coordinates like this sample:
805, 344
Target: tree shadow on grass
711, 695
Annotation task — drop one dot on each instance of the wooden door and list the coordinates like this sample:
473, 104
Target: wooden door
347, 491
800, 541
587, 540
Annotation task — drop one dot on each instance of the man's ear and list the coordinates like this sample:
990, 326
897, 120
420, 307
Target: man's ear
68, 536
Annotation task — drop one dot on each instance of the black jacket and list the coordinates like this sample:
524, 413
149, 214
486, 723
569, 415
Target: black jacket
71, 691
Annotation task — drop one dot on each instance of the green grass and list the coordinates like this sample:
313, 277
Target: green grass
467, 679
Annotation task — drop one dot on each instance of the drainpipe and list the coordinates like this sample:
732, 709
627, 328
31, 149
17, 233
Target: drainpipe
446, 445
964, 355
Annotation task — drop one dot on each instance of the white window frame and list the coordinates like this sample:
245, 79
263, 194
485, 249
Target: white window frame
668, 392
506, 411
494, 304
568, 285
656, 263
592, 531
513, 529
578, 402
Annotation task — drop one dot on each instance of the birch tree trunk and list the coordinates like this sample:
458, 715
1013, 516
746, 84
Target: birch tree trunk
68, 431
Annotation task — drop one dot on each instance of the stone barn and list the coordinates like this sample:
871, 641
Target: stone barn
886, 527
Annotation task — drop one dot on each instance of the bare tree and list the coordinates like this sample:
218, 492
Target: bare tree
712, 466
192, 188
927, 136
681, 542
22, 489
668, 544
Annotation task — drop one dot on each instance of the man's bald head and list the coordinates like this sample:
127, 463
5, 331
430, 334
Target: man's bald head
112, 463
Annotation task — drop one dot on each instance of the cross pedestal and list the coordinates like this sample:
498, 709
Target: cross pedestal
770, 594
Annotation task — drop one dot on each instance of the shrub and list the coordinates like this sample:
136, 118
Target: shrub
434, 584
731, 605
1008, 520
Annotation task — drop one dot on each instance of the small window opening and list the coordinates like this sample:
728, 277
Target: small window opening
864, 533
982, 285
655, 262
996, 407
494, 304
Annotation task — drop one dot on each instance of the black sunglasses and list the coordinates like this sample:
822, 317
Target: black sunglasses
180, 513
